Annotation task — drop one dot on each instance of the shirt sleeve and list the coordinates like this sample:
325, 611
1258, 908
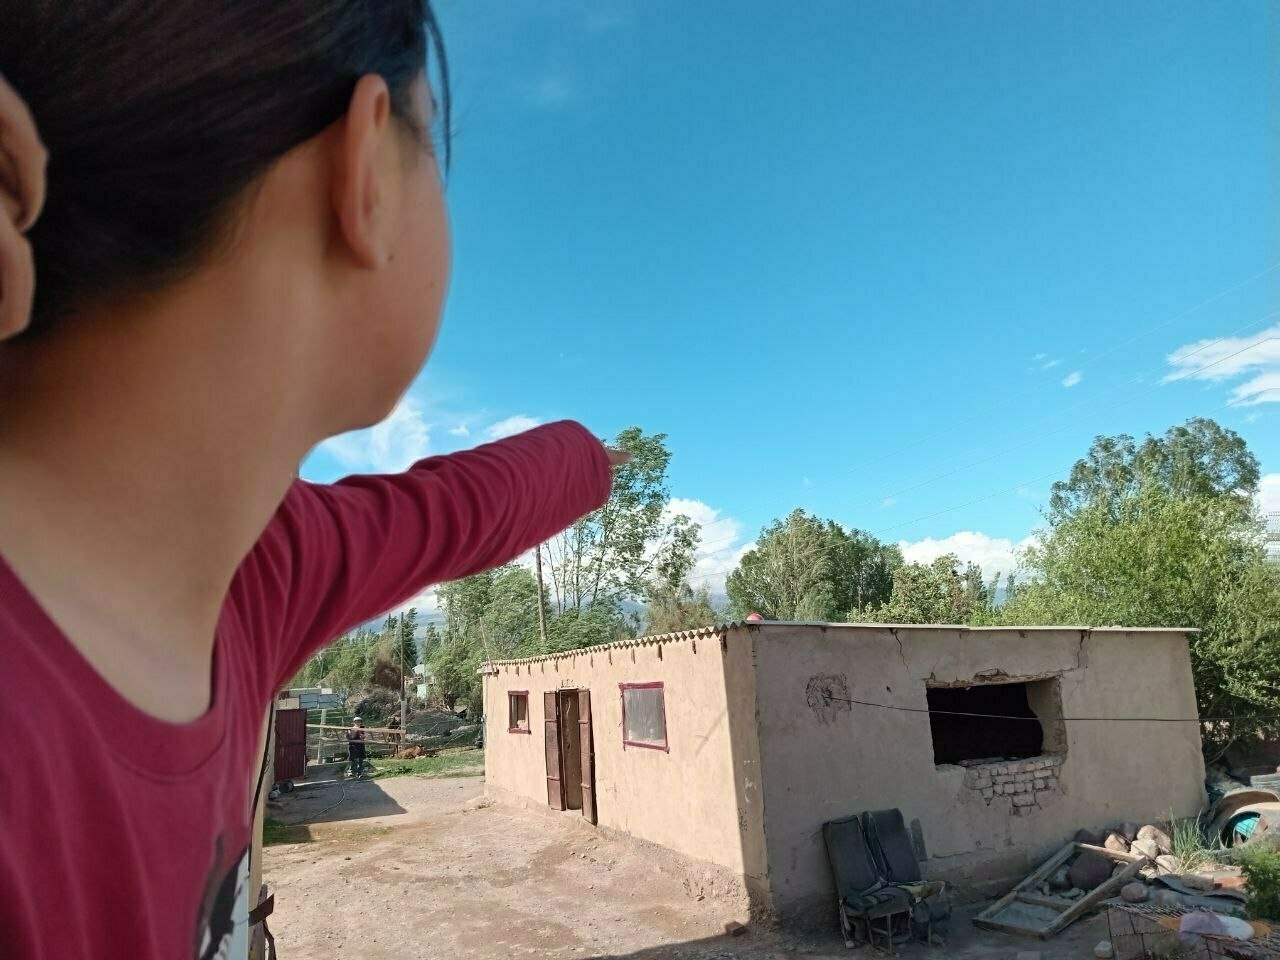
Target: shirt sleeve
338, 555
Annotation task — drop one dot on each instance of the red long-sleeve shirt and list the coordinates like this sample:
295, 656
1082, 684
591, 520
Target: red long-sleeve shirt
125, 836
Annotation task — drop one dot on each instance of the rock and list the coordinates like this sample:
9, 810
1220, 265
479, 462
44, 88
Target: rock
1167, 864
1089, 870
1116, 842
1167, 898
1044, 888
1129, 831
1197, 882
1075, 893
1145, 848
1158, 836
1059, 880
1134, 892
734, 929
1104, 950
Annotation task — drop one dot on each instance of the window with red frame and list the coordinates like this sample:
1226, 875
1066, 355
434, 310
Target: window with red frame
518, 711
644, 716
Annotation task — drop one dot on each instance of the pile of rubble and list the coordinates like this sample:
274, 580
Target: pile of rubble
1163, 879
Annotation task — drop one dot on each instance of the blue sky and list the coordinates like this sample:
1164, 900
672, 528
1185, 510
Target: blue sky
893, 262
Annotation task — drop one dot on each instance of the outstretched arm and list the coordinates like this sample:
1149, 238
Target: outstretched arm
339, 555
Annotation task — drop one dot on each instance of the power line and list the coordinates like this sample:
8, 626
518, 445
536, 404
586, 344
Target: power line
1004, 716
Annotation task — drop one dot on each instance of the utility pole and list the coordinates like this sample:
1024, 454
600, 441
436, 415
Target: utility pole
404, 704
542, 608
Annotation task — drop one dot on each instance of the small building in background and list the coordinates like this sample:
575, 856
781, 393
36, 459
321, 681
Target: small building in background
732, 745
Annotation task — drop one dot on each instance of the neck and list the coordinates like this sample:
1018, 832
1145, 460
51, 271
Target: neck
140, 458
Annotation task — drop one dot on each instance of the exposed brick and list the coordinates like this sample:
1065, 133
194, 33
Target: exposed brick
988, 793
1023, 800
1040, 784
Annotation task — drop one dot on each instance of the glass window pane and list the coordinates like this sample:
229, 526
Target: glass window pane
518, 711
646, 715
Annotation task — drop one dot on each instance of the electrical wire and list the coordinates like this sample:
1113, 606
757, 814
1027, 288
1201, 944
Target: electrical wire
1000, 716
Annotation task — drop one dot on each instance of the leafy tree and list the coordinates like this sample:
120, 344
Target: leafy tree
1164, 533
407, 634
1157, 556
490, 616
430, 640
1199, 459
602, 623
454, 665
670, 609
939, 592
615, 553
804, 568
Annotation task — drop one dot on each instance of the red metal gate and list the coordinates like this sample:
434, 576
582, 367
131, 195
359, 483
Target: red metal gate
291, 744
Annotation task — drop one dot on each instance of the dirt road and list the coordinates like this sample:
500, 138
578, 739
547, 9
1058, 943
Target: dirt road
417, 868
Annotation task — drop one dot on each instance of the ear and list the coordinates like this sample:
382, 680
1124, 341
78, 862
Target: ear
360, 190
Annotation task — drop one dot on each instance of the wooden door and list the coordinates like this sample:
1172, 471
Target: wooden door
555, 779
291, 745
570, 750
587, 746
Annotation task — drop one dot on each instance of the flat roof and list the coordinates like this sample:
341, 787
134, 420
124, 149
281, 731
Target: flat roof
719, 629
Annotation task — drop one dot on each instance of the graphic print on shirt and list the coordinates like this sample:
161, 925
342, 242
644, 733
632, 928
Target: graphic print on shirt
223, 920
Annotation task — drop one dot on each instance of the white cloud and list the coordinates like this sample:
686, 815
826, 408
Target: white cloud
993, 554
1038, 357
1256, 357
459, 431
888, 502
1269, 493
395, 444
1049, 365
511, 426
1072, 378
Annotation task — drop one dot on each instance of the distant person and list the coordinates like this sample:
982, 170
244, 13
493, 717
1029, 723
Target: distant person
355, 746
223, 239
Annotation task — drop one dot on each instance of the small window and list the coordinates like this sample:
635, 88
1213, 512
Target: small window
518, 711
995, 721
644, 716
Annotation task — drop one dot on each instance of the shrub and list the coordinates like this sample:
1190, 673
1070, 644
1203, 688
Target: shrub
1260, 863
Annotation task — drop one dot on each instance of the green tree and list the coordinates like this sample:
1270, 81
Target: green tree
804, 568
1164, 534
670, 609
614, 554
407, 633
938, 592
1199, 459
490, 616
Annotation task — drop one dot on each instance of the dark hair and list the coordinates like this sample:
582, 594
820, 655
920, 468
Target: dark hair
157, 116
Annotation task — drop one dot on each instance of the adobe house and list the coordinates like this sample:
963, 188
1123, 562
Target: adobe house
732, 745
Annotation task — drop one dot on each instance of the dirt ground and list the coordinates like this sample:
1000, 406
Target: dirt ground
411, 867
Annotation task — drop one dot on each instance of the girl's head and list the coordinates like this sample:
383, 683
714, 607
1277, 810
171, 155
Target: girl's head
193, 143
